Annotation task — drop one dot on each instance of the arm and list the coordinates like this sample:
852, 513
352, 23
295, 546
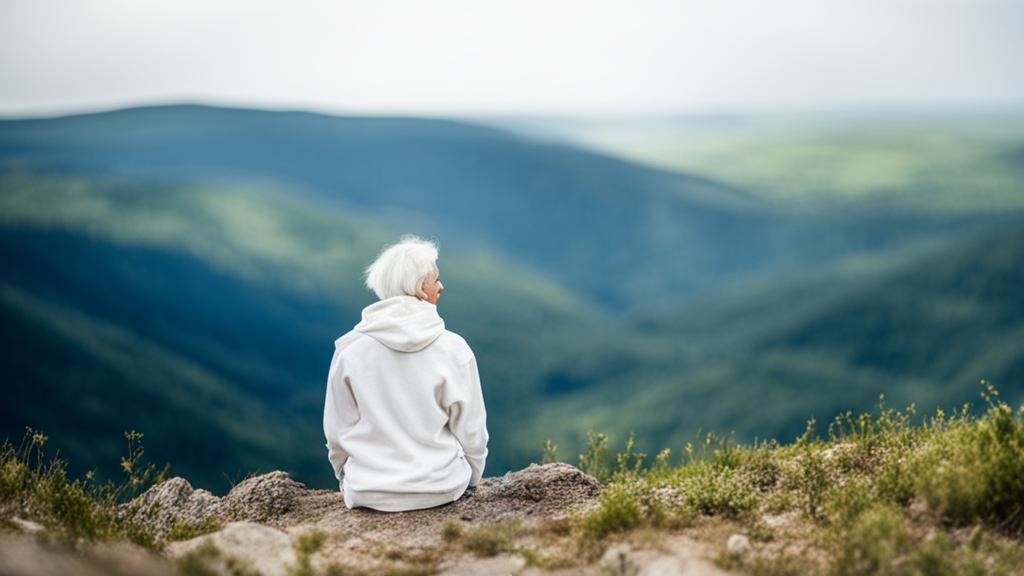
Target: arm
467, 417
340, 415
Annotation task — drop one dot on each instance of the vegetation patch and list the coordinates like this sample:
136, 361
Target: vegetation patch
37, 487
881, 493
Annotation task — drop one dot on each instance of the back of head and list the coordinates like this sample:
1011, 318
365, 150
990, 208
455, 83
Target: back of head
401, 269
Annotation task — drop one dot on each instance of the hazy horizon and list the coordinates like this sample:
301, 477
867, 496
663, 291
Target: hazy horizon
462, 59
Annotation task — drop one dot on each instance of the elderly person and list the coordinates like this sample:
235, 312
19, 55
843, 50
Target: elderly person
404, 416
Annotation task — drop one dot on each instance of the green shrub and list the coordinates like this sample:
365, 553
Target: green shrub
38, 487
872, 544
619, 509
716, 490
973, 471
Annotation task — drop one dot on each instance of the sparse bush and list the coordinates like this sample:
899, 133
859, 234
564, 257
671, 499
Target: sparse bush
872, 544
619, 509
973, 470
595, 460
718, 490
38, 488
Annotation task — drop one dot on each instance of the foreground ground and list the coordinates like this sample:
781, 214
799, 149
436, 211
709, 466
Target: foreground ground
885, 493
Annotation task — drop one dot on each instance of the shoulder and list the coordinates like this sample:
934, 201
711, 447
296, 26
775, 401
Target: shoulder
341, 344
455, 345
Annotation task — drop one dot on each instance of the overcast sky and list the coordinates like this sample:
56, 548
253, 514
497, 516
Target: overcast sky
442, 57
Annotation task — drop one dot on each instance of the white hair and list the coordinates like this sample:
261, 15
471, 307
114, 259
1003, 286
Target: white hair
401, 269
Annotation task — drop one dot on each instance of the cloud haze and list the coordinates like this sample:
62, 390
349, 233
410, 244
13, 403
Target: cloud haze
468, 56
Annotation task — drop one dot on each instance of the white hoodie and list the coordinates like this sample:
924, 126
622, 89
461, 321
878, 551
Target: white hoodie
404, 416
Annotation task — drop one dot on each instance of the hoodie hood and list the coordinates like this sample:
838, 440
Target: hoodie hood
402, 323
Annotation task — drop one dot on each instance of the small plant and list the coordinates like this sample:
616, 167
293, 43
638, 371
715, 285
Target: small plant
595, 460
550, 454
629, 462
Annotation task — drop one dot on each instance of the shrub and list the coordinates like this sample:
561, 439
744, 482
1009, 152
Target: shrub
715, 490
973, 471
872, 544
38, 487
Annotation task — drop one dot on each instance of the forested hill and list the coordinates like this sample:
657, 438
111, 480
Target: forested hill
579, 217
183, 271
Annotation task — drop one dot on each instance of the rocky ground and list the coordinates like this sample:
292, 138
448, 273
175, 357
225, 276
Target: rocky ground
272, 525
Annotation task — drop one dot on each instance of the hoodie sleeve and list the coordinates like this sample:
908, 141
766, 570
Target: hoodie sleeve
340, 415
467, 417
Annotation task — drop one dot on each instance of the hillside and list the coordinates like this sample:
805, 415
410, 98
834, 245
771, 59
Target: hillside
250, 311
922, 327
575, 216
923, 162
183, 271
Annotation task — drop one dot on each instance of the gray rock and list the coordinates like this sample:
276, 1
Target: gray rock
28, 556
262, 497
497, 566
263, 549
27, 526
738, 546
170, 504
557, 484
175, 503
679, 557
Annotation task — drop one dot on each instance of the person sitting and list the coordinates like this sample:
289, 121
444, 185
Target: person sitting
404, 415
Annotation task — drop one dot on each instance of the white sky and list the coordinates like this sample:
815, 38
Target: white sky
519, 56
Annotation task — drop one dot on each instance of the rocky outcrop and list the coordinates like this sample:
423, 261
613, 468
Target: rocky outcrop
175, 504
274, 499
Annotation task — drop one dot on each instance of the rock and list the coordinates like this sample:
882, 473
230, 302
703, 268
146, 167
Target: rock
618, 561
252, 546
738, 546
27, 556
679, 557
27, 526
497, 566
169, 504
264, 498
554, 484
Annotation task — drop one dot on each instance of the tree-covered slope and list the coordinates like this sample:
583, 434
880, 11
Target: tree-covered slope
625, 235
244, 291
924, 327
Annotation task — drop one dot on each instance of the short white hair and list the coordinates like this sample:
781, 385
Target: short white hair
401, 269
